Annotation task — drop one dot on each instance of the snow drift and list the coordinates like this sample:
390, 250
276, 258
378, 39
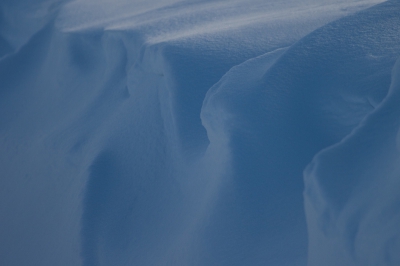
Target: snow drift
177, 132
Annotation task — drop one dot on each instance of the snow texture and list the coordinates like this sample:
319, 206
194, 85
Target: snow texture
195, 132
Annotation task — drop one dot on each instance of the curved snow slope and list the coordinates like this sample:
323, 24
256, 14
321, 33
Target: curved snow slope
352, 199
310, 98
352, 188
176, 132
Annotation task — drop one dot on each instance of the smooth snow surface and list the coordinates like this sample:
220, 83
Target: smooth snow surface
200, 133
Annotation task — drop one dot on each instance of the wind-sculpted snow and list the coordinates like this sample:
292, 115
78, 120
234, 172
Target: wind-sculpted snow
20, 20
352, 200
177, 132
311, 98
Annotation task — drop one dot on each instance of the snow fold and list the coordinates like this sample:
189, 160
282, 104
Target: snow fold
351, 188
176, 133
351, 196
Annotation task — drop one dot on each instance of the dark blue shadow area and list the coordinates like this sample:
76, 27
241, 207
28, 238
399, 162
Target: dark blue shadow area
132, 208
15, 68
5, 47
108, 209
195, 70
18, 71
83, 51
101, 187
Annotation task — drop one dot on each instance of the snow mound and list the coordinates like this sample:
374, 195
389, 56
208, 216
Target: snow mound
177, 132
351, 193
352, 200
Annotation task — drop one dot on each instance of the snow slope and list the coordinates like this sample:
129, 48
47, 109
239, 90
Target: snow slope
177, 132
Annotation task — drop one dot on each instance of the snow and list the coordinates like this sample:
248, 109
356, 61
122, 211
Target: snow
352, 192
194, 132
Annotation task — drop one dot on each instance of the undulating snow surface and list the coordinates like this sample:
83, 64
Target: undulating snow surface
195, 132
